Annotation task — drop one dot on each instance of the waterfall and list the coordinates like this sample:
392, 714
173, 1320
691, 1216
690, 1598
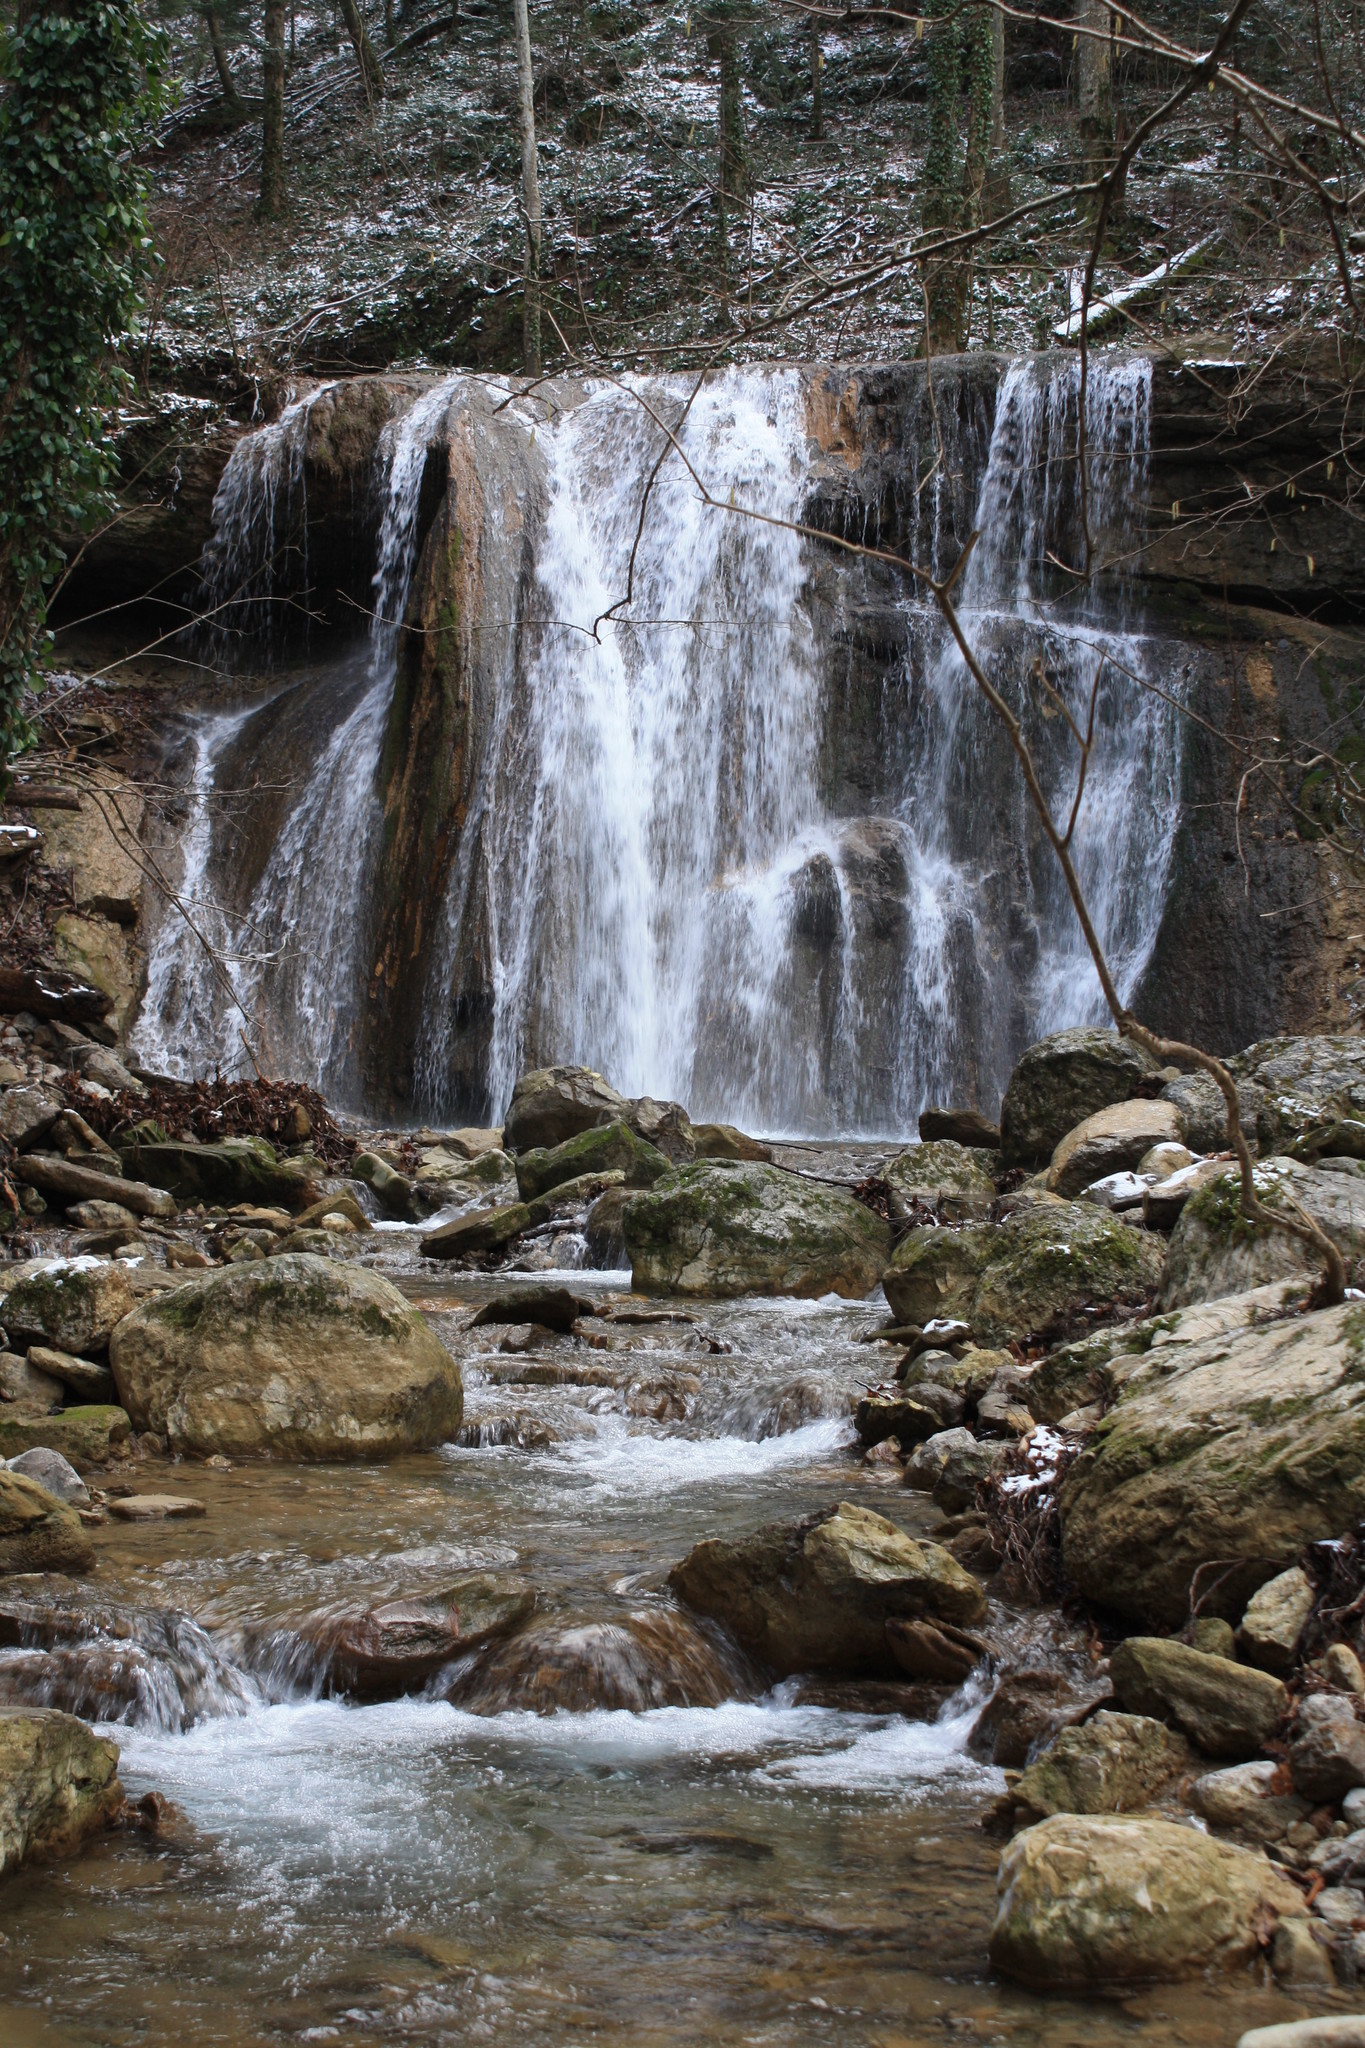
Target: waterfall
296, 952
667, 868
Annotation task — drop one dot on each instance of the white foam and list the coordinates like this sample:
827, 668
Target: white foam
620, 1461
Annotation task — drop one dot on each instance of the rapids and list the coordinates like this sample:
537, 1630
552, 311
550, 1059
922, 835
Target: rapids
765, 1869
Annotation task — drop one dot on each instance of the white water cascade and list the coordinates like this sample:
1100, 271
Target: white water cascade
296, 959
667, 867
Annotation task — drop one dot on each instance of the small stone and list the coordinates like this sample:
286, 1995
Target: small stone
1327, 1755
1353, 1809
884, 1457
1341, 1859
1244, 1798
1274, 1620
1215, 1637
187, 1258
218, 1463
1114, 1763
964, 1467
1164, 1159
157, 1507
1341, 1905
51, 1470
1343, 1669
1344, 2030
1298, 1958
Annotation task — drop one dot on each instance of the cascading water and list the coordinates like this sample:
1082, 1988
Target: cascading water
668, 892
296, 955
663, 869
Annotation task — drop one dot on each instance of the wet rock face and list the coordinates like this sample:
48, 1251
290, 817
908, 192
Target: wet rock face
39, 1532
726, 1229
647, 1659
817, 1595
294, 1357
1045, 1261
1060, 1082
397, 1648
107, 1661
1250, 1447
1087, 1901
58, 1784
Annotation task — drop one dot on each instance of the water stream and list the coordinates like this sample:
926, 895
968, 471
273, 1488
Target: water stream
656, 874
767, 1869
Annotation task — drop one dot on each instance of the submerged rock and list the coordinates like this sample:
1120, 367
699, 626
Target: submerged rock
293, 1356
39, 1532
816, 1595
1047, 1260
1244, 1445
399, 1646
1216, 1250
1113, 1764
607, 1148
58, 1784
1088, 1901
719, 1229
555, 1103
107, 1661
1061, 1081
553, 1308
1226, 1709
646, 1659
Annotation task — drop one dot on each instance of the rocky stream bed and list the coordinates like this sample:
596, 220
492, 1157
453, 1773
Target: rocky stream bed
610, 1577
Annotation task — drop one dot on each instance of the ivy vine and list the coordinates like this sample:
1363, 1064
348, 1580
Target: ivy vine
79, 81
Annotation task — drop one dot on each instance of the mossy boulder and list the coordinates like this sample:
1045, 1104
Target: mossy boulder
86, 1437
58, 1784
816, 1595
1060, 1082
1088, 1901
1227, 1709
1007, 1280
606, 1148
73, 1306
293, 1357
1247, 1445
230, 1171
956, 1181
553, 1104
1216, 1250
727, 1228
1310, 1094
1115, 1763
38, 1532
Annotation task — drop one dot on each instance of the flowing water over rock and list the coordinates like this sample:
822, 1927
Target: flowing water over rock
657, 869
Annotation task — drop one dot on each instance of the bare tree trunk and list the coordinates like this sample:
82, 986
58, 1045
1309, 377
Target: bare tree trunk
1094, 81
388, 24
817, 92
232, 99
734, 167
530, 189
272, 200
366, 56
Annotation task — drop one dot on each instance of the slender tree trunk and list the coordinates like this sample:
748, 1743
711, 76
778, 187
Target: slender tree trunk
272, 200
530, 189
232, 99
734, 167
817, 83
366, 56
1094, 80
961, 62
388, 24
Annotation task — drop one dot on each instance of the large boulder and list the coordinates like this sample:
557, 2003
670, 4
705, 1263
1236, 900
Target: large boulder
721, 1228
816, 1595
72, 1307
555, 1103
1090, 1901
230, 1171
606, 1148
293, 1356
1113, 1140
39, 1532
1061, 1081
1246, 1445
1216, 1250
955, 1181
1044, 1262
1226, 1709
1310, 1093
58, 1784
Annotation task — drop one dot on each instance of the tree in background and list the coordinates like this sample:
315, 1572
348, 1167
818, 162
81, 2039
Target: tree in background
530, 189
80, 83
962, 89
1094, 84
366, 56
234, 106
271, 204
